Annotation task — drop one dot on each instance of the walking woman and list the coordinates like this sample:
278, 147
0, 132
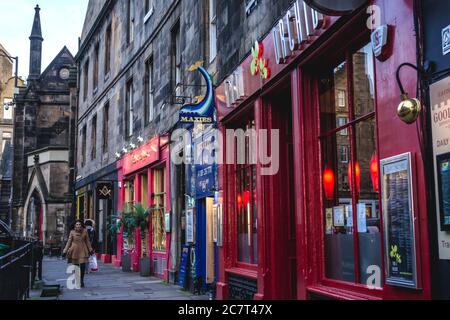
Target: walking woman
78, 248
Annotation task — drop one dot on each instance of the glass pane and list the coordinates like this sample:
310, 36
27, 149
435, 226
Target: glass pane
255, 217
244, 216
333, 98
364, 81
339, 246
368, 205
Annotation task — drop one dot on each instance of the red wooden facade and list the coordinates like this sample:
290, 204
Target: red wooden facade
152, 155
291, 265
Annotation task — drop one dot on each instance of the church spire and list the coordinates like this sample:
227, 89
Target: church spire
36, 46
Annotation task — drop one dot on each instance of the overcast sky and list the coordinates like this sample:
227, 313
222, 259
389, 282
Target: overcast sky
61, 21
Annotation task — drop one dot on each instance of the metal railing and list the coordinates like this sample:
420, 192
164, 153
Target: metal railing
15, 271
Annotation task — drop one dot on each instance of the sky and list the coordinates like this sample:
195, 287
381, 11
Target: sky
61, 21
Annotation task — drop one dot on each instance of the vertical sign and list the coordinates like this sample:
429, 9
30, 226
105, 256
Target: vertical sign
190, 225
440, 126
398, 211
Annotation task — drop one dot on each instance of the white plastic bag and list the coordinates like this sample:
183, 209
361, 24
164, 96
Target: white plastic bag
93, 266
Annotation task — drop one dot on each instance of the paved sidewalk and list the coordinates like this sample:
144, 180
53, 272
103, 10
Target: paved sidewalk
110, 283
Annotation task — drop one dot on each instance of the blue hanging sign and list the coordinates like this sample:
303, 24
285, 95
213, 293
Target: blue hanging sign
203, 111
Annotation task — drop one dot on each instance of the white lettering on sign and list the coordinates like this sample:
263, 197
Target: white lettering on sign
294, 29
234, 88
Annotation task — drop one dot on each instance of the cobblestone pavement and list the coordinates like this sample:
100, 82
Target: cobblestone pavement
110, 283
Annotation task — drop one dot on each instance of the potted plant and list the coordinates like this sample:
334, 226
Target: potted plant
141, 217
128, 222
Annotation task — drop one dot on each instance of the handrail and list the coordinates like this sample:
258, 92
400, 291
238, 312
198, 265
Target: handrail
23, 251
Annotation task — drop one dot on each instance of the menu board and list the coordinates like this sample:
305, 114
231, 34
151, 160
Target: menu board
399, 223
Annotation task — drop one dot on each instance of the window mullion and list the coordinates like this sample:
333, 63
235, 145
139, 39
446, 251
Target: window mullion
353, 160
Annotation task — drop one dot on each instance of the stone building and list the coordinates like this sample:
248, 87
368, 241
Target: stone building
133, 70
44, 118
7, 83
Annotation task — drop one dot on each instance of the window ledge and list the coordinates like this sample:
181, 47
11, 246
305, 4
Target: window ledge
243, 272
340, 294
148, 15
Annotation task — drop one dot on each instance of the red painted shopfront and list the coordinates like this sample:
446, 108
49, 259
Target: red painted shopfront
145, 179
315, 230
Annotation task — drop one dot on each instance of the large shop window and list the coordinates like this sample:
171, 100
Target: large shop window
350, 170
158, 227
246, 210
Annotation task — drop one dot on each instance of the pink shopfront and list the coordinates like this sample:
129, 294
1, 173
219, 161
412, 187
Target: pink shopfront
144, 179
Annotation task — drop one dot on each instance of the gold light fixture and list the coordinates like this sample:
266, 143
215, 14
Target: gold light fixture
409, 109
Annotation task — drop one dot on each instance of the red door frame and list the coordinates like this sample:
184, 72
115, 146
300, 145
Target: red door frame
394, 137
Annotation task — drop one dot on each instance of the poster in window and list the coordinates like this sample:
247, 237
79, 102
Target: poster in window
398, 211
329, 221
190, 225
339, 216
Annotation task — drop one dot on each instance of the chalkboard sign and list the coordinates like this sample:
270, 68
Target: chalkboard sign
398, 211
184, 266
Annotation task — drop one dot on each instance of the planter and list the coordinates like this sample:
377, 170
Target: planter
145, 267
126, 263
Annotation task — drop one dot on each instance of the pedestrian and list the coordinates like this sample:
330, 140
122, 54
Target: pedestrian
90, 228
78, 248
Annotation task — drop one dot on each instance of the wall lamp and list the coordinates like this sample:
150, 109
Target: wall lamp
409, 108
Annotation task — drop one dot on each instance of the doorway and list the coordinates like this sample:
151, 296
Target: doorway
283, 198
205, 243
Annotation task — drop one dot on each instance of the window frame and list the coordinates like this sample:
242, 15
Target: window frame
95, 71
94, 137
108, 46
129, 112
212, 30
86, 80
131, 20
105, 129
149, 91
351, 129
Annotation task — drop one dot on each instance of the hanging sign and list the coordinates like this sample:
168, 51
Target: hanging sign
398, 211
379, 39
336, 7
203, 111
440, 126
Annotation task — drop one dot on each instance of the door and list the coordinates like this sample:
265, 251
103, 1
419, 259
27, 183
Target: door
284, 199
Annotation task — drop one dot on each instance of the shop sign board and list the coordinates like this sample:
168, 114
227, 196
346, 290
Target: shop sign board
141, 157
440, 127
399, 229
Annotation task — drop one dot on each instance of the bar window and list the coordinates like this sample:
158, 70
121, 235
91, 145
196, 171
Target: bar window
245, 193
348, 144
158, 215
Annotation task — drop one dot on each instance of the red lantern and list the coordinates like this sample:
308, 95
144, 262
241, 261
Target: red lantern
374, 172
239, 201
358, 176
328, 182
246, 198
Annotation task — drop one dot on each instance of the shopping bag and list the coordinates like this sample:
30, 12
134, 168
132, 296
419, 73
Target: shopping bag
93, 266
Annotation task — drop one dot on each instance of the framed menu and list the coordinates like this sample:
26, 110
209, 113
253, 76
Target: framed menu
443, 173
398, 212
